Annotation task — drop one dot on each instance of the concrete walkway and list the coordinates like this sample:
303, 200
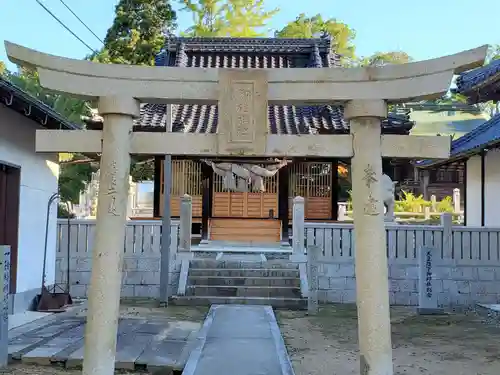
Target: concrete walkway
239, 340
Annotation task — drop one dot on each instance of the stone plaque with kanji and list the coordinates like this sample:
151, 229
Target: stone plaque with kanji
243, 106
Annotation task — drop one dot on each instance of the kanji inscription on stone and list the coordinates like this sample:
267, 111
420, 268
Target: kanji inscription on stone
371, 206
427, 298
112, 190
243, 107
369, 177
4, 308
313, 253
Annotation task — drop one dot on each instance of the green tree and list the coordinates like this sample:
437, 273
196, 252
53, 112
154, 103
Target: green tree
493, 53
235, 18
136, 36
73, 176
137, 33
3, 68
307, 27
384, 58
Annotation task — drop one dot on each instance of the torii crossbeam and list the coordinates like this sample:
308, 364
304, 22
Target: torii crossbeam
243, 96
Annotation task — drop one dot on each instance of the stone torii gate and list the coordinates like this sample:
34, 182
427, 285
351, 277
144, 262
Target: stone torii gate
243, 96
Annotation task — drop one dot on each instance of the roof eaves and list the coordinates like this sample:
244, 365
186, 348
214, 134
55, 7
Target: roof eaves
29, 100
478, 78
465, 152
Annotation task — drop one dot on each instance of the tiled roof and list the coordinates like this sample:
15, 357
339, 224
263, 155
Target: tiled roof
485, 135
18, 100
255, 53
481, 84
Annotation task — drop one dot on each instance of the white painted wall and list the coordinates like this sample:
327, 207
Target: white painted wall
492, 189
473, 191
39, 174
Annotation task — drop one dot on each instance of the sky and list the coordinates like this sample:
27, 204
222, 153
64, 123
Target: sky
424, 29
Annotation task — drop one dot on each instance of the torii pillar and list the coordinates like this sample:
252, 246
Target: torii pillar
372, 284
107, 254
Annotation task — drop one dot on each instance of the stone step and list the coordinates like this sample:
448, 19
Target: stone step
244, 280
278, 303
244, 272
232, 264
243, 291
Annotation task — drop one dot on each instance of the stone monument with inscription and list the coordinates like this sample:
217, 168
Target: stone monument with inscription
4, 308
427, 296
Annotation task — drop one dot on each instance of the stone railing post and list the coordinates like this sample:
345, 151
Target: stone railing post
313, 253
298, 229
456, 200
447, 223
186, 223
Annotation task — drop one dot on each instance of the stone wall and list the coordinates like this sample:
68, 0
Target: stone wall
140, 278
454, 284
141, 262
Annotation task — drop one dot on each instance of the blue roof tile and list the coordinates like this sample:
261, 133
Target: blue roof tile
486, 134
256, 53
481, 84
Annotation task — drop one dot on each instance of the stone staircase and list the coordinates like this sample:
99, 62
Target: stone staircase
266, 282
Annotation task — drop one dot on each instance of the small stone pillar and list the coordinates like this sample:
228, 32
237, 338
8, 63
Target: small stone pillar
107, 253
186, 223
372, 285
313, 253
433, 203
456, 200
447, 223
4, 308
427, 213
298, 228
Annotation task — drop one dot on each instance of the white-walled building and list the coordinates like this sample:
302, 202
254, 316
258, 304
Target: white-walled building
27, 181
479, 150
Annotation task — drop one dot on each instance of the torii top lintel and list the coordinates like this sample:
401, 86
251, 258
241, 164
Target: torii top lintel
414, 81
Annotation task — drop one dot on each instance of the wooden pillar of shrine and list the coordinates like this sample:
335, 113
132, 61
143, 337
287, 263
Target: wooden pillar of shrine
335, 189
283, 191
157, 186
206, 199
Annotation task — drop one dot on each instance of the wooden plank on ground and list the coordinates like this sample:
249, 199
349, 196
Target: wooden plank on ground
162, 353
129, 347
75, 359
32, 326
43, 354
167, 348
25, 343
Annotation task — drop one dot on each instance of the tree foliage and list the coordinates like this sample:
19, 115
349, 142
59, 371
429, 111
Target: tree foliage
385, 58
136, 36
307, 27
3, 68
73, 177
235, 18
137, 33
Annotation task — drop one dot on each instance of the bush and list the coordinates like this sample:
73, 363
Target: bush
63, 213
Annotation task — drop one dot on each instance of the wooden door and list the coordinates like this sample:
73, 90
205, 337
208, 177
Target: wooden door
10, 183
313, 182
187, 178
228, 204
